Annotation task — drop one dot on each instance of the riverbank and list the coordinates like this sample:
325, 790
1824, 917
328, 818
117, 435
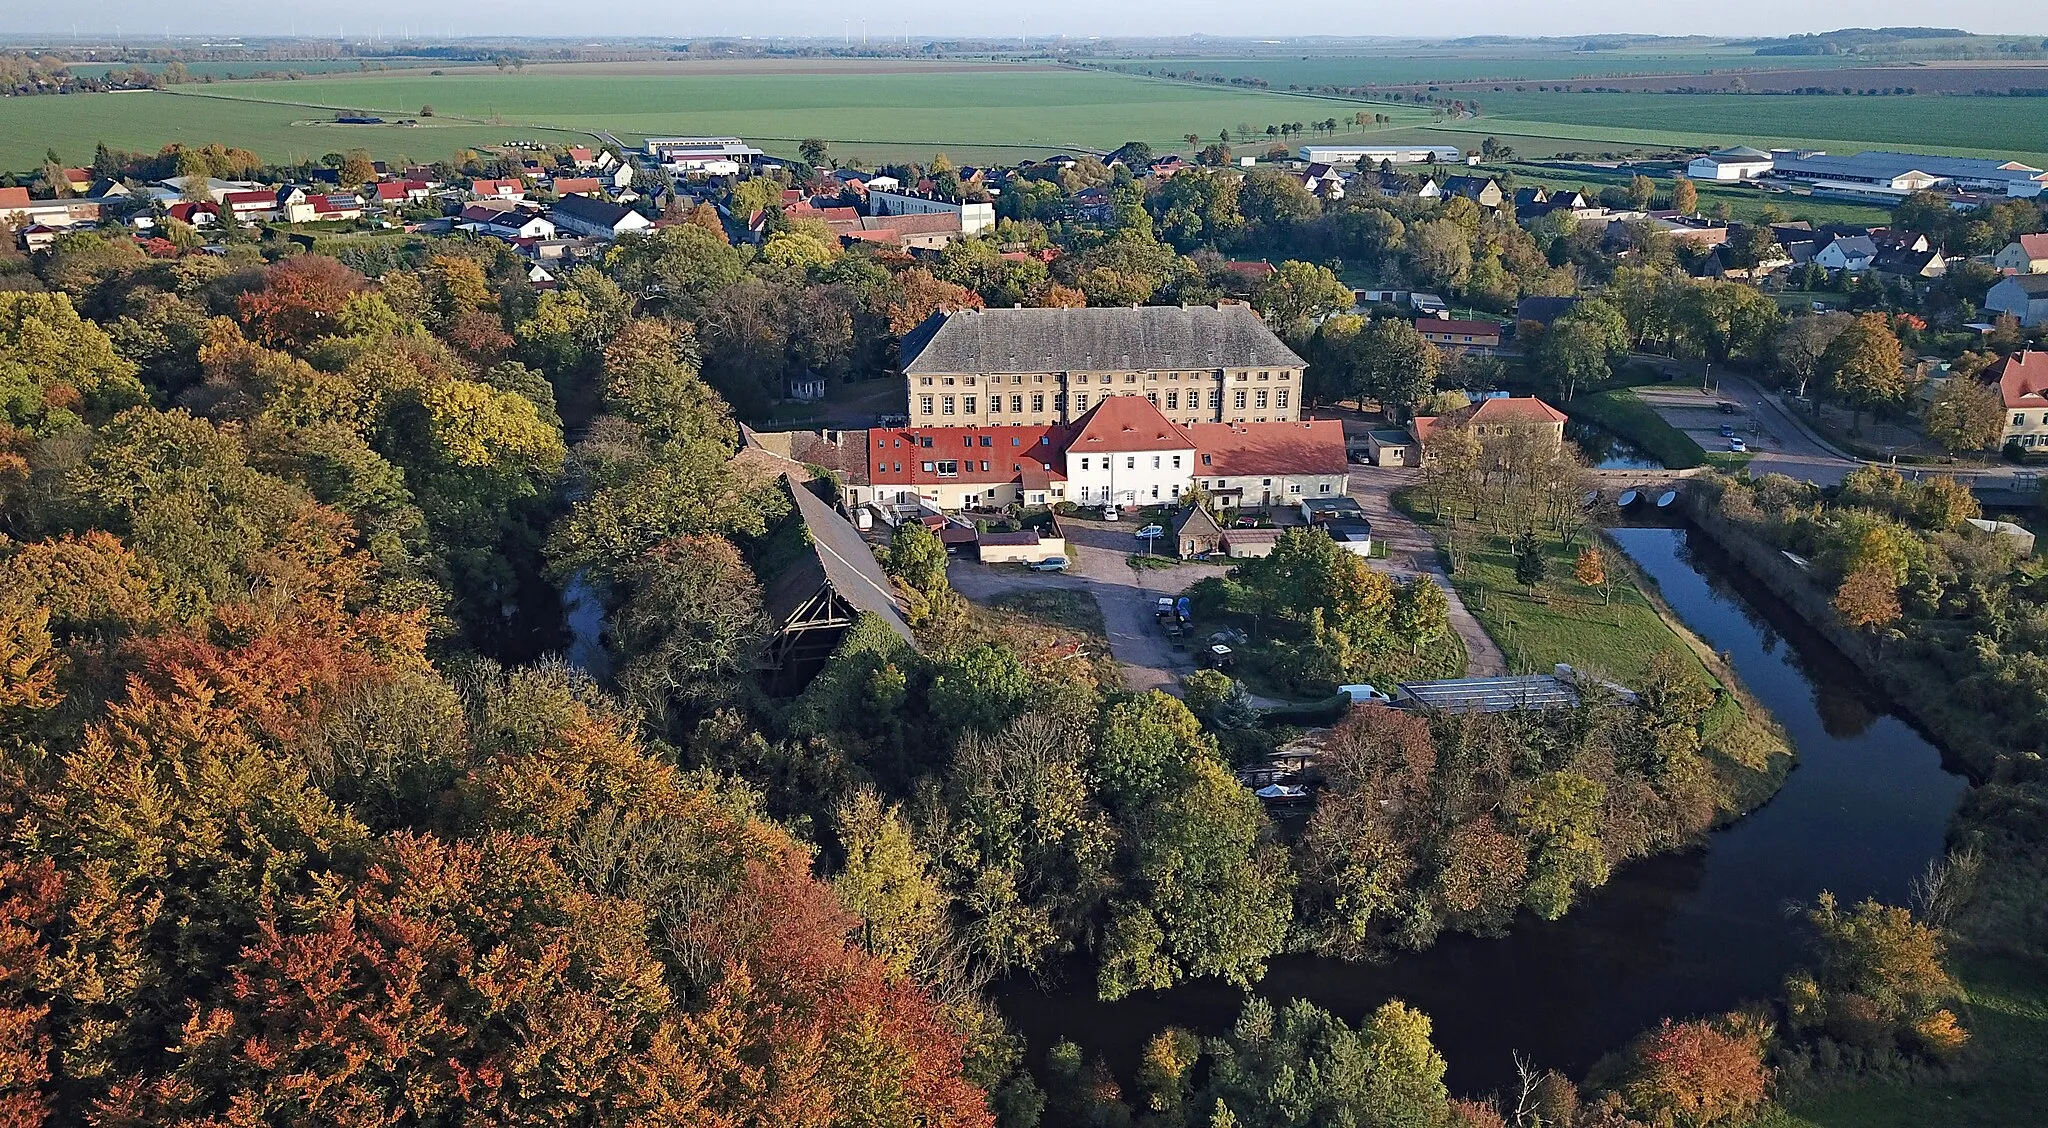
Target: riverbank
1997, 958
1922, 699
1616, 630
1682, 933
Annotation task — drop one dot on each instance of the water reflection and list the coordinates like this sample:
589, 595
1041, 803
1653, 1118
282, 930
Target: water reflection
1689, 933
1607, 450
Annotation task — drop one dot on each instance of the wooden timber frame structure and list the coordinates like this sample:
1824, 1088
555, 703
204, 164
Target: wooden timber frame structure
819, 596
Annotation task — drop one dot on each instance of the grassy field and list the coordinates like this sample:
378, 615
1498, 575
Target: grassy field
2013, 127
987, 112
1565, 621
2006, 1081
145, 122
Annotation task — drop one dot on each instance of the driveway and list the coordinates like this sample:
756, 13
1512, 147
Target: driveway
1411, 552
1126, 595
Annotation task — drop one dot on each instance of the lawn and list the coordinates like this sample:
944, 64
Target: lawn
972, 112
2006, 1081
1564, 621
1624, 414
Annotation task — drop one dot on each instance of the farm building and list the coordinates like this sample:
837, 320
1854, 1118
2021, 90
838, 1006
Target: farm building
1738, 163
818, 597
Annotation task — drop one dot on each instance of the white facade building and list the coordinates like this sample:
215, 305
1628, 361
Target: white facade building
1738, 163
975, 217
1376, 154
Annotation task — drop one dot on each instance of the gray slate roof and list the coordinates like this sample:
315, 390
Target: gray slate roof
838, 557
2032, 285
1085, 340
591, 210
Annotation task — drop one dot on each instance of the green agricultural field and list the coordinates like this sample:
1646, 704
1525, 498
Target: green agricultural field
1963, 124
143, 121
1743, 203
973, 112
1440, 64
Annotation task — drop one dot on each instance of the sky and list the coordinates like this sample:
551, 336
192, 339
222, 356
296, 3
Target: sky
928, 18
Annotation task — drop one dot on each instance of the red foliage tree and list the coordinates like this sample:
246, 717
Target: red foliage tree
298, 300
29, 895
1697, 1073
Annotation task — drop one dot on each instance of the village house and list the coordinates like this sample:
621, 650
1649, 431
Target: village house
256, 204
597, 218
2024, 296
1194, 364
326, 206
1447, 333
18, 210
2027, 254
2022, 382
577, 185
1911, 265
507, 223
514, 189
1489, 418
1481, 190
1853, 253
1265, 464
395, 192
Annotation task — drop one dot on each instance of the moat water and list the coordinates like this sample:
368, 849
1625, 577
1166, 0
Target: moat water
1682, 934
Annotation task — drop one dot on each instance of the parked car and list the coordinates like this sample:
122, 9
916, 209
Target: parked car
1151, 532
1727, 430
1049, 564
1364, 695
1737, 446
1727, 408
1109, 512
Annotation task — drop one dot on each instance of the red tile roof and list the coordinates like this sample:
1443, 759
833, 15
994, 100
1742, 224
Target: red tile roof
897, 457
1127, 423
2022, 379
1492, 412
14, 198
1521, 408
2035, 246
494, 187
1236, 449
569, 185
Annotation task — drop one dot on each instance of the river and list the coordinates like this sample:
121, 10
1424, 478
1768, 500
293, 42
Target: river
1682, 934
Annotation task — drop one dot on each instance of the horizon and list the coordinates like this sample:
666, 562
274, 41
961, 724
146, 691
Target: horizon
129, 21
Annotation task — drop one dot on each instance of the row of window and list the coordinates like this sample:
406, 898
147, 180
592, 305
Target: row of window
1130, 461
971, 405
1083, 378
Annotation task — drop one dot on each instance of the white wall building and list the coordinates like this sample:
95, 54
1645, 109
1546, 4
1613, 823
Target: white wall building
974, 217
1126, 453
1376, 154
1738, 163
